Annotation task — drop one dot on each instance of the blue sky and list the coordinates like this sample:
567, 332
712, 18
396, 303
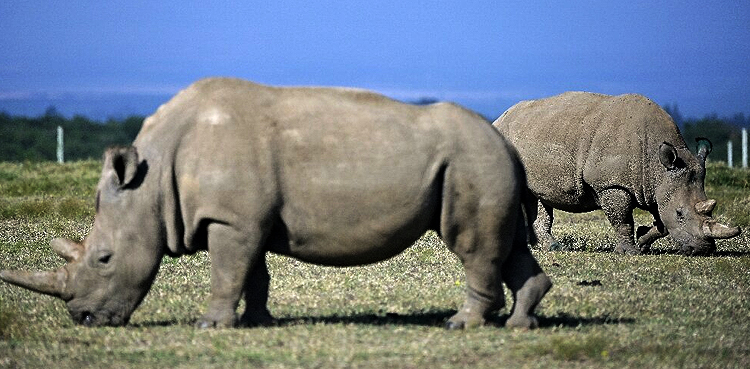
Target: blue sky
113, 58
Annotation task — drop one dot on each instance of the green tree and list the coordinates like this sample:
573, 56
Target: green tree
718, 131
35, 139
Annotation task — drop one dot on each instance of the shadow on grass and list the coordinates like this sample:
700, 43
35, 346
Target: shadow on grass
436, 318
678, 252
570, 321
656, 252
439, 318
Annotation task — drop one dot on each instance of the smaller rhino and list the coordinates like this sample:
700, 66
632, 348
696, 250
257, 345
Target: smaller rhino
585, 151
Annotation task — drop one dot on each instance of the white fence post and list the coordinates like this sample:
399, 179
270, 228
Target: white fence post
60, 158
744, 147
729, 154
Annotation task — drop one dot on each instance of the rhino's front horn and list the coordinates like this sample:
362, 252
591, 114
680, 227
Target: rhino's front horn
70, 250
714, 229
48, 283
705, 207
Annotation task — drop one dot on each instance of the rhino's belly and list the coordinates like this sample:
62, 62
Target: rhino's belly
360, 232
359, 245
333, 251
580, 206
571, 198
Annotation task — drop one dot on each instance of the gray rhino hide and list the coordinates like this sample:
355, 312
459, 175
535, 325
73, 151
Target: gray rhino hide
585, 151
329, 176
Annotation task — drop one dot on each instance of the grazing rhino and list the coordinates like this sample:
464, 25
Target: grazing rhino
326, 175
585, 151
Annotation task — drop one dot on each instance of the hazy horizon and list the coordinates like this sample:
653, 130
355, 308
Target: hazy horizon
126, 57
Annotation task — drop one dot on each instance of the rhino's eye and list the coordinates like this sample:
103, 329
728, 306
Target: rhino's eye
104, 259
680, 215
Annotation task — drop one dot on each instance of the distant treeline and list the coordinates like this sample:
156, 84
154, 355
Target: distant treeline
719, 130
35, 139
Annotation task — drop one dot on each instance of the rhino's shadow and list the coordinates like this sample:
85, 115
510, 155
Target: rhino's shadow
436, 318
713, 254
659, 251
440, 317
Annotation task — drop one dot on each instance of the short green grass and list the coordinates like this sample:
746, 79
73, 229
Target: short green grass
605, 310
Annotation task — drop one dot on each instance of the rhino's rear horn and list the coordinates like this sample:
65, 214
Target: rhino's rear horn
705, 207
70, 250
48, 283
714, 229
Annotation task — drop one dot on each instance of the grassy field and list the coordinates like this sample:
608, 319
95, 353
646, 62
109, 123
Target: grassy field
654, 311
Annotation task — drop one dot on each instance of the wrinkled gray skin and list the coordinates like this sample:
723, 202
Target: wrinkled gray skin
585, 151
329, 176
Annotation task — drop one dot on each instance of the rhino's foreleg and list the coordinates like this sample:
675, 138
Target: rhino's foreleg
256, 295
543, 227
232, 254
617, 205
527, 282
648, 235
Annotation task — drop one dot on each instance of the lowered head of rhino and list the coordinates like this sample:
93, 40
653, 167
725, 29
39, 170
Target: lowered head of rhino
108, 274
683, 207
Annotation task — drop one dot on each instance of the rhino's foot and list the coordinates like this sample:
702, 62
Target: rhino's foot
208, 321
473, 311
522, 322
526, 300
464, 321
260, 318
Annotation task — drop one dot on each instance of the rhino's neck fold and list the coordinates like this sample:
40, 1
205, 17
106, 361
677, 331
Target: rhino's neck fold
174, 226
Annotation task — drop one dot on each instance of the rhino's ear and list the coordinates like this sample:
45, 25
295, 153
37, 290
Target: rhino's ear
704, 147
668, 156
121, 164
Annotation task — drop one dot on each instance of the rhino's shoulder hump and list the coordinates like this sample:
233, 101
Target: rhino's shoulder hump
640, 110
218, 83
448, 108
358, 94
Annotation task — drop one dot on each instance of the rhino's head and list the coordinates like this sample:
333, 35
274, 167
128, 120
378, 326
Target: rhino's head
108, 274
683, 206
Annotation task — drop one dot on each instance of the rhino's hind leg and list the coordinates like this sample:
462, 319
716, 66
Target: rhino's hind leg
484, 295
481, 252
256, 296
543, 228
232, 254
528, 283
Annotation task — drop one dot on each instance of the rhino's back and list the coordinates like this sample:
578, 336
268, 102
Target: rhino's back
577, 143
